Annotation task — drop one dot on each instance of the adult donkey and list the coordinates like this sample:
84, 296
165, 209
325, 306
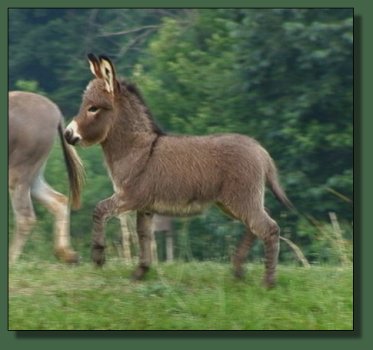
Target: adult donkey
34, 122
153, 172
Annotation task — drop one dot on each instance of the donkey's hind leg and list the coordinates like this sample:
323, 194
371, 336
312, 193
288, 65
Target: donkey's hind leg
57, 204
244, 246
241, 253
259, 224
24, 219
262, 225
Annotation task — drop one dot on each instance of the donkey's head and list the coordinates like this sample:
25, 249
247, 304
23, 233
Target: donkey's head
97, 111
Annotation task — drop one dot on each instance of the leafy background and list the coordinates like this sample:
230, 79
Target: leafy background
283, 76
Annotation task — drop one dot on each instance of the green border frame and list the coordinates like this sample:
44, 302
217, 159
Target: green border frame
359, 339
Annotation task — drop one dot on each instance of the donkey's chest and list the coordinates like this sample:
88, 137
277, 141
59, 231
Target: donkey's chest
116, 185
119, 175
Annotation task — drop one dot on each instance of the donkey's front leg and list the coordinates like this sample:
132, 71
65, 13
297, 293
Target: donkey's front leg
144, 232
104, 210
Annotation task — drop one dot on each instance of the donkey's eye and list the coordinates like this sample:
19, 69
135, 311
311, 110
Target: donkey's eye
93, 109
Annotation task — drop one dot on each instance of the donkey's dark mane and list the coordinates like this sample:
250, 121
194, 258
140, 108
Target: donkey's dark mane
134, 90
173, 175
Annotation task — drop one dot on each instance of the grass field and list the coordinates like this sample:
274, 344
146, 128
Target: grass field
179, 296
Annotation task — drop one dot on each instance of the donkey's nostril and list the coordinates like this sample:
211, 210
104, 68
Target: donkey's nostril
70, 138
68, 134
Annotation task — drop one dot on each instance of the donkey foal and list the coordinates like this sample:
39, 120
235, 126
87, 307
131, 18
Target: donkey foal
153, 172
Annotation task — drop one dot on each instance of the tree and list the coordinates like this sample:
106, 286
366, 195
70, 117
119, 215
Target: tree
297, 66
283, 76
63, 38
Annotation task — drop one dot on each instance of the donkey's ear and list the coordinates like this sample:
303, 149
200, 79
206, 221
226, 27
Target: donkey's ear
94, 65
108, 74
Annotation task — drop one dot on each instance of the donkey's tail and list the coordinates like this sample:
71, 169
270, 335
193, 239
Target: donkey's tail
74, 166
274, 185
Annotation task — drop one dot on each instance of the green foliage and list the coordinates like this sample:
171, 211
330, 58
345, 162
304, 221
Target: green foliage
201, 296
28, 85
187, 77
297, 68
65, 36
283, 76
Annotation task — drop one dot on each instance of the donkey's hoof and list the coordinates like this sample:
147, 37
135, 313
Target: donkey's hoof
99, 262
98, 257
269, 283
139, 273
239, 273
67, 255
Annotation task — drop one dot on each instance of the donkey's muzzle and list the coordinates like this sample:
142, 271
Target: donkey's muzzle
70, 137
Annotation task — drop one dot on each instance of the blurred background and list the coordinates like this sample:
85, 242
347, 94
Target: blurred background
282, 76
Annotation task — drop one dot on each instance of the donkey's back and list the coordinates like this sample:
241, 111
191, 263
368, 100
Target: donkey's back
193, 171
33, 123
154, 172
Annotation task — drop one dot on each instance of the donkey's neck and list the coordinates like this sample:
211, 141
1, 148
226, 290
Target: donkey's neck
133, 113
126, 151
131, 139
120, 145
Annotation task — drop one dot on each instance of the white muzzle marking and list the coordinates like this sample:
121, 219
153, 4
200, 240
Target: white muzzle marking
72, 130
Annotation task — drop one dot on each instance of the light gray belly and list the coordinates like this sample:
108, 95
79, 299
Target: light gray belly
178, 209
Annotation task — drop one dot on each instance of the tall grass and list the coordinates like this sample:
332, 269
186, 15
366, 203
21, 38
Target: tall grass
177, 296
332, 238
